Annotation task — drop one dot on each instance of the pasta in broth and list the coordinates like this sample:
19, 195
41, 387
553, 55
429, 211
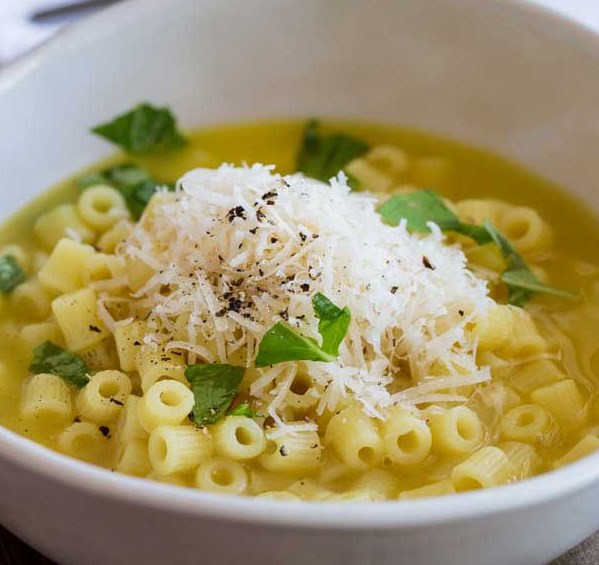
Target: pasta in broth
418, 326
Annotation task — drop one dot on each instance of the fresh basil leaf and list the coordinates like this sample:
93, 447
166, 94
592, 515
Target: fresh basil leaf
92, 179
512, 258
127, 175
11, 274
50, 358
244, 409
214, 388
138, 195
136, 185
419, 208
333, 323
423, 206
522, 283
323, 156
118, 176
282, 343
477, 233
144, 129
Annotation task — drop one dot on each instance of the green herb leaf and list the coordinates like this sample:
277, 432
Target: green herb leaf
423, 206
92, 179
144, 129
214, 388
323, 156
244, 409
521, 281
512, 258
137, 196
419, 208
333, 323
282, 343
11, 274
118, 176
136, 185
50, 358
477, 233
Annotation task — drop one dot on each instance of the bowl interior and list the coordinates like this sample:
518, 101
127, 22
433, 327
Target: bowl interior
429, 64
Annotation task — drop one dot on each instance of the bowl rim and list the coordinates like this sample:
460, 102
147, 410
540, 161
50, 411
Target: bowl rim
93, 480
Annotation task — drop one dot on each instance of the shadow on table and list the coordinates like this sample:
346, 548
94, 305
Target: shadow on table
14, 552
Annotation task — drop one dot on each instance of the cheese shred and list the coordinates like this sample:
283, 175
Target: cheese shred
236, 249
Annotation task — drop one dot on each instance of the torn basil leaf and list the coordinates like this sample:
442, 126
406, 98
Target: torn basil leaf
11, 274
137, 196
282, 343
521, 282
144, 129
323, 156
333, 323
117, 176
423, 206
214, 387
136, 185
50, 358
419, 208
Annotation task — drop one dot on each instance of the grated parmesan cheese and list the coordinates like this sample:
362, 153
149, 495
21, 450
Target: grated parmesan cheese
235, 250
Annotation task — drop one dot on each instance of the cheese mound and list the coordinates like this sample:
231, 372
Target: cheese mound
234, 250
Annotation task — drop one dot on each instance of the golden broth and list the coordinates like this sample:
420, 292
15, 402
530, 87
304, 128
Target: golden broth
469, 173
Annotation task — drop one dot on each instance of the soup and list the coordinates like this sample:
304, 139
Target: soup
423, 324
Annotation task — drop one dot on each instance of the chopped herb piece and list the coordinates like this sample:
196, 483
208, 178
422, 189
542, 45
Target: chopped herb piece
144, 129
423, 206
118, 176
137, 196
135, 184
333, 323
477, 233
214, 388
282, 343
244, 409
11, 274
323, 156
418, 209
91, 179
521, 281
50, 358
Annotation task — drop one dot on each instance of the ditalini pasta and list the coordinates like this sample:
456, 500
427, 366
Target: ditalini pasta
398, 317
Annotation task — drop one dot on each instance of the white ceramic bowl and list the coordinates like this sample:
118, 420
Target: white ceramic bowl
494, 73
